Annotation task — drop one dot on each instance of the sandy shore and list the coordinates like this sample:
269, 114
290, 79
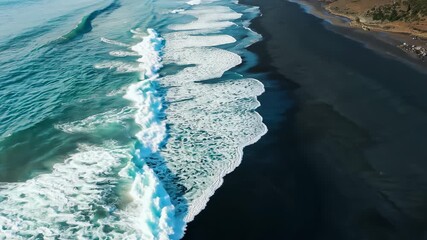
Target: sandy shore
401, 35
355, 11
344, 157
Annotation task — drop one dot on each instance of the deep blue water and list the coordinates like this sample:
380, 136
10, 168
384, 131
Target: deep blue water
120, 118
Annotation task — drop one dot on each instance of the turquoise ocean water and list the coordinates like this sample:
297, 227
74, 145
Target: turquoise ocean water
120, 118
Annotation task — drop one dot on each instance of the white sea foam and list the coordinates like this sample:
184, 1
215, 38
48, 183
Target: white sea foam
113, 42
149, 196
72, 201
152, 134
177, 10
144, 96
149, 50
63, 203
120, 91
119, 66
101, 191
92, 123
210, 63
211, 128
210, 123
211, 19
123, 54
194, 2
184, 40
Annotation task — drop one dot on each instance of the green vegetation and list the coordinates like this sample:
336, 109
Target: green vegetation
403, 10
419, 6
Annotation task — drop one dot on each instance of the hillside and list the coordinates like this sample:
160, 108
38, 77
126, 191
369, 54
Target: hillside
402, 16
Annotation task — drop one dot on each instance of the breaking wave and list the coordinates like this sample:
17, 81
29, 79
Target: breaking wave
85, 25
102, 192
209, 122
192, 128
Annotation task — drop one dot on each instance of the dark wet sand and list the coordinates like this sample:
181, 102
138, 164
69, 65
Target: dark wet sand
346, 152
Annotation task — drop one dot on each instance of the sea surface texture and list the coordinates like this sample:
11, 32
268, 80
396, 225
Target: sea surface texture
120, 118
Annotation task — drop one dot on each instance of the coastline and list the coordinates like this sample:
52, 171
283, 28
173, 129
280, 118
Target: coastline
399, 39
341, 159
355, 21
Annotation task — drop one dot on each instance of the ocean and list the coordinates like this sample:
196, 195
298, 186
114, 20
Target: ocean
120, 118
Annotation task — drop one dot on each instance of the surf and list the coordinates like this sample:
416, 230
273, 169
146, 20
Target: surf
85, 24
210, 122
81, 202
185, 112
150, 197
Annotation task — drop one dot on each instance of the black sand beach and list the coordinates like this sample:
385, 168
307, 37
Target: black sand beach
345, 156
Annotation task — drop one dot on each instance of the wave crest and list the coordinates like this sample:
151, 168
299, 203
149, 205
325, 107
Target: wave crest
85, 25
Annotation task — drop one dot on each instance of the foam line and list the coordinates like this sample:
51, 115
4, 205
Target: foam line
123, 54
102, 191
92, 123
210, 123
54, 205
109, 41
210, 19
194, 2
119, 66
152, 191
150, 199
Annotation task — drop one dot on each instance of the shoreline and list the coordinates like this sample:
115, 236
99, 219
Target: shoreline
232, 212
334, 163
389, 27
403, 42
